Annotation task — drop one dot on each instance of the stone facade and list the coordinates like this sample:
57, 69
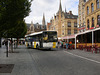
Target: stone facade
31, 28
63, 23
92, 12
81, 15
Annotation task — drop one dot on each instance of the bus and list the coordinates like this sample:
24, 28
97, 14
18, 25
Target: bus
41, 40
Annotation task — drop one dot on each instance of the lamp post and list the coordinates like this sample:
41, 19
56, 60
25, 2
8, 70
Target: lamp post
0, 42
6, 43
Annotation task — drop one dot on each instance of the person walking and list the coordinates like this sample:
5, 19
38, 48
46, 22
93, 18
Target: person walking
70, 43
61, 44
58, 44
67, 45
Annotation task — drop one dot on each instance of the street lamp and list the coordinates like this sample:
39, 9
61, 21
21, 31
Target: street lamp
6, 43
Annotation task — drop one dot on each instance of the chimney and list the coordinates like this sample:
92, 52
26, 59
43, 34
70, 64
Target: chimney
70, 12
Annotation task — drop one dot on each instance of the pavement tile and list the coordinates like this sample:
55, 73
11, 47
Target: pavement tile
23, 63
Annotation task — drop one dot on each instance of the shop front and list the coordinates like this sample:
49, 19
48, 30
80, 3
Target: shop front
88, 38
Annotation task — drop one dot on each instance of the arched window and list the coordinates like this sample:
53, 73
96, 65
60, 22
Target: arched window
88, 24
92, 22
97, 3
92, 7
87, 10
98, 20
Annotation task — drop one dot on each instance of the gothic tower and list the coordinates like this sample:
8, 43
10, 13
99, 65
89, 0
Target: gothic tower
59, 19
32, 27
65, 10
60, 7
43, 20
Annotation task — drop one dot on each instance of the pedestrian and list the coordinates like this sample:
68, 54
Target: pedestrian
6, 42
37, 45
67, 45
70, 44
61, 44
58, 44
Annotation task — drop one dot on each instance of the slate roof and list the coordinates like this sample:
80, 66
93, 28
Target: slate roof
40, 26
35, 26
70, 16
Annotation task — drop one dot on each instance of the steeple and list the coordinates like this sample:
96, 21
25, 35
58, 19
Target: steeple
43, 20
60, 7
31, 22
65, 10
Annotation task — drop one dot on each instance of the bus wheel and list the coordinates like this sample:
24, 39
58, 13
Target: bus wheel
49, 48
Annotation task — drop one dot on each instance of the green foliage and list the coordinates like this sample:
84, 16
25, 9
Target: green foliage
18, 31
12, 14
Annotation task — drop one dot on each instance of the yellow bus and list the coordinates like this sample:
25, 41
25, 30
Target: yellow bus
41, 40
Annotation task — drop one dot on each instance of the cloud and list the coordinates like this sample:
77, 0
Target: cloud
49, 7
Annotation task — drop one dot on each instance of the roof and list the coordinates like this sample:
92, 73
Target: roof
67, 15
88, 31
75, 35
35, 33
48, 24
38, 33
40, 26
35, 26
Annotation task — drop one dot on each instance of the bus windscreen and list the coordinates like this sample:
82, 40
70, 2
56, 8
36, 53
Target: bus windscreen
50, 36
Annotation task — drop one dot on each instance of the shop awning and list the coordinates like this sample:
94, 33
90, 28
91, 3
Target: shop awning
69, 37
88, 31
81, 28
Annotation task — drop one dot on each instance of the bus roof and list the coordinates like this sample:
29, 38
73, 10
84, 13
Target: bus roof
36, 33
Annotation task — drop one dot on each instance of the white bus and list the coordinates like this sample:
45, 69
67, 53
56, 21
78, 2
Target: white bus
41, 40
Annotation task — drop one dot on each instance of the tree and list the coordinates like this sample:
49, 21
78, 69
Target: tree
18, 31
12, 14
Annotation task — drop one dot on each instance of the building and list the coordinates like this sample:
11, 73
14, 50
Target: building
81, 16
65, 23
92, 12
48, 26
31, 28
91, 35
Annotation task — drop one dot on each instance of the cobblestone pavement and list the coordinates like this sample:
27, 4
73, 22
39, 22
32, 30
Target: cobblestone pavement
54, 62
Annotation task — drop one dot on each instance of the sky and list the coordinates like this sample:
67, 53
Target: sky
49, 8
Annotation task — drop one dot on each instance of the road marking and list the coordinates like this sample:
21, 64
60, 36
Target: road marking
83, 57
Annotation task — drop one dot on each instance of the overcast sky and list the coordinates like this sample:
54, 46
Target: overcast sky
49, 8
